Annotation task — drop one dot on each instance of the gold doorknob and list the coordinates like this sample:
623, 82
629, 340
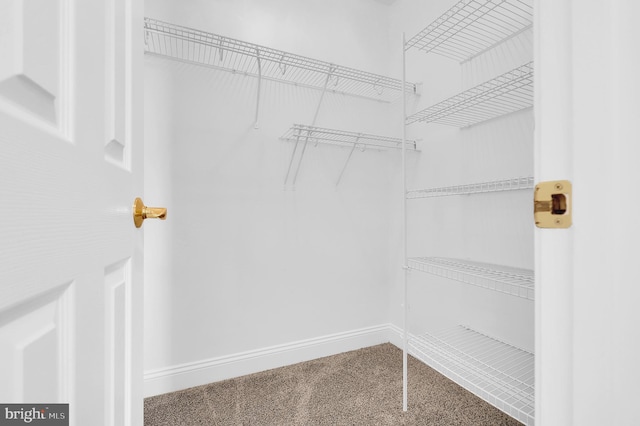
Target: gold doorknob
142, 212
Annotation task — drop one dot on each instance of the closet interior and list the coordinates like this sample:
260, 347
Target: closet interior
289, 239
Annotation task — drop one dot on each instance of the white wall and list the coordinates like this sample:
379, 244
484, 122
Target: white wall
241, 263
494, 228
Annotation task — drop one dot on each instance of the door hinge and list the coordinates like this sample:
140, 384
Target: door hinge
552, 204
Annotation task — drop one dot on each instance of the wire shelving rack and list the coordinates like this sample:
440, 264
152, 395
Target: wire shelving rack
514, 281
500, 373
225, 53
472, 27
474, 188
497, 372
507, 93
304, 134
344, 138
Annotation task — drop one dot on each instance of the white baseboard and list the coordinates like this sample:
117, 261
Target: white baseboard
183, 376
396, 335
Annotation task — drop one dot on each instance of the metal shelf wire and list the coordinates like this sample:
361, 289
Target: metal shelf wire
225, 53
499, 373
300, 132
507, 93
472, 27
514, 281
305, 134
474, 188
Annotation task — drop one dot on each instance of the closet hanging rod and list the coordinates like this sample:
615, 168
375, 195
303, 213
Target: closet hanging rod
472, 27
214, 50
344, 138
512, 184
507, 93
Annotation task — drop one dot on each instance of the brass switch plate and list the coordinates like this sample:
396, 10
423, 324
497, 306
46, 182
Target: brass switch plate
552, 204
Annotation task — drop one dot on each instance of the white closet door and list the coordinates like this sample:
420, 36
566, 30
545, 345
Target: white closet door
70, 157
587, 293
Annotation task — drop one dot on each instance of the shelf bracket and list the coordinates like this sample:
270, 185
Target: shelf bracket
281, 66
255, 122
379, 89
304, 148
313, 123
220, 50
353, 148
293, 154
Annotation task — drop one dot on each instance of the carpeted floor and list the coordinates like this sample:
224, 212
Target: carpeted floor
362, 387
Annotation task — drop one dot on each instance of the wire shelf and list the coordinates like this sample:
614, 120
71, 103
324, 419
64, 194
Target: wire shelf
472, 27
501, 374
344, 138
219, 52
503, 279
507, 93
474, 188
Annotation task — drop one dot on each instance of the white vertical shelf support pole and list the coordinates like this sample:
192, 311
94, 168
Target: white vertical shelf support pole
348, 158
255, 122
313, 123
405, 269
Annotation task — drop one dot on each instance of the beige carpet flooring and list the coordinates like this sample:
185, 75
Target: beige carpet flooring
362, 387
